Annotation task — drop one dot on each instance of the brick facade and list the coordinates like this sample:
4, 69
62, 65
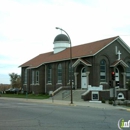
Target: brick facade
107, 53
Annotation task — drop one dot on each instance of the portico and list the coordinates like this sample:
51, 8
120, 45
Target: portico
120, 75
81, 74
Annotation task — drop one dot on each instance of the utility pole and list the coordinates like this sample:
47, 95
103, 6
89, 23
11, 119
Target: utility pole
113, 85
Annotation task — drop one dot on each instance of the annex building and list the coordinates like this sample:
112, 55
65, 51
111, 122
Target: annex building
92, 65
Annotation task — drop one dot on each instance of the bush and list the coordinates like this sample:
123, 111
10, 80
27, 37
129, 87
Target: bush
110, 102
111, 99
103, 101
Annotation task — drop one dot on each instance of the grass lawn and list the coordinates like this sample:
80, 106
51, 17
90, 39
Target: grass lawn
29, 96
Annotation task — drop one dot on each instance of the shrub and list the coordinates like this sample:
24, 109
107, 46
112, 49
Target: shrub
119, 103
110, 102
111, 99
103, 101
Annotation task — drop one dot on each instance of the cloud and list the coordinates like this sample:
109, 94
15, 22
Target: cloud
27, 27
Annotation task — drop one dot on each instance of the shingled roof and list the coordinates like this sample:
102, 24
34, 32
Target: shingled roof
88, 49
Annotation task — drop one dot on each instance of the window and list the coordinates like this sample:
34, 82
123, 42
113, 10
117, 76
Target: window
69, 71
37, 76
59, 73
128, 72
103, 71
25, 76
32, 76
95, 96
120, 96
84, 70
49, 74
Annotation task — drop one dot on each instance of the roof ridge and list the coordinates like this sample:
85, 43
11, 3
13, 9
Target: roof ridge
96, 41
82, 44
81, 50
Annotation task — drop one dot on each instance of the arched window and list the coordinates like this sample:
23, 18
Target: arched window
25, 76
49, 74
33, 73
84, 70
128, 72
70, 75
59, 73
102, 70
69, 71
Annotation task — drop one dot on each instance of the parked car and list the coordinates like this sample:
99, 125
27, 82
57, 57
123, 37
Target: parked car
13, 90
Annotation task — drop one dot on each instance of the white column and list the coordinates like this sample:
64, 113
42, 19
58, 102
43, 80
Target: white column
124, 79
75, 75
87, 78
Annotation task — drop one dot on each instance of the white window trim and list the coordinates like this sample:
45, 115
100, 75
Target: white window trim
49, 83
59, 83
37, 81
103, 83
35, 84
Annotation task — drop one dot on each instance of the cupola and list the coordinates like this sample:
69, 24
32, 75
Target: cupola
61, 42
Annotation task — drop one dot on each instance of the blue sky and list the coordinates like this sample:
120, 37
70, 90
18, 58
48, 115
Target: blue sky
27, 27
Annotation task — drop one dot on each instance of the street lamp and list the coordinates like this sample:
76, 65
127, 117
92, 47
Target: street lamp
70, 62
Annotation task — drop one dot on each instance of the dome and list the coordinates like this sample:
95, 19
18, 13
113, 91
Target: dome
61, 42
61, 37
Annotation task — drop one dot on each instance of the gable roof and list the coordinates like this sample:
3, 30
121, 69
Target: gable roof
119, 62
82, 61
84, 50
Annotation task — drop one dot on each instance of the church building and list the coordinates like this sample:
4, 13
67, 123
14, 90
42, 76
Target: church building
92, 64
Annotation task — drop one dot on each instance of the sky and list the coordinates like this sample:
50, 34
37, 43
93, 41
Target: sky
27, 27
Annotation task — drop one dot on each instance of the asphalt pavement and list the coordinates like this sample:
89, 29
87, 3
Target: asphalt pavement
62, 102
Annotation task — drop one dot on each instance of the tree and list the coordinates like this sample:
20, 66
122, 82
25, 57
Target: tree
15, 80
19, 81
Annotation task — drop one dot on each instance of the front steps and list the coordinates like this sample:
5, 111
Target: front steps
66, 95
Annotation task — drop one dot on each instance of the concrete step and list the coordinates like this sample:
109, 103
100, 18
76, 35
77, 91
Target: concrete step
76, 95
66, 95
62, 94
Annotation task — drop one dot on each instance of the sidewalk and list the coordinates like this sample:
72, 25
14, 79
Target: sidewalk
67, 103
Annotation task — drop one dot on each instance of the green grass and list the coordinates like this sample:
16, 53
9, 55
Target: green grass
29, 96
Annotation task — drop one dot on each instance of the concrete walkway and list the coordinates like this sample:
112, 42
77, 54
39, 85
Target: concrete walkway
67, 103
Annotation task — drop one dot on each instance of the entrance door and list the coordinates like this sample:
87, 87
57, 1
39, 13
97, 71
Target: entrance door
84, 82
83, 78
117, 77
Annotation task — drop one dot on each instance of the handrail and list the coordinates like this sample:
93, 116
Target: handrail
53, 93
85, 93
65, 94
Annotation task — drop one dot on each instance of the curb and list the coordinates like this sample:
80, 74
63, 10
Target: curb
128, 110
68, 104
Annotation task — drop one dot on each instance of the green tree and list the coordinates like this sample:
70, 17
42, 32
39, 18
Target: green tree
19, 81
15, 80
